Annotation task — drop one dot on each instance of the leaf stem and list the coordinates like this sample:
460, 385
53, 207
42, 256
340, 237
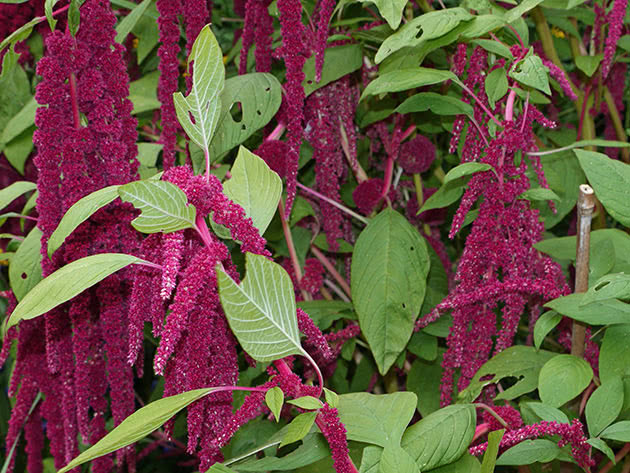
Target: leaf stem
616, 120
292, 253
331, 269
343, 208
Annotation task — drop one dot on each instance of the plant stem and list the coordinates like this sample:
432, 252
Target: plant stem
616, 120
359, 172
585, 206
331, 269
292, 253
620, 455
343, 208
492, 412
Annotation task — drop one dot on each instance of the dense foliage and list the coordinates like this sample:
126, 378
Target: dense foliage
315, 236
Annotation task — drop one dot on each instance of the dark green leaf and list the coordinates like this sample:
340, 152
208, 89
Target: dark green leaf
588, 64
339, 61
389, 269
437, 103
48, 11
539, 193
600, 445
466, 464
604, 405
20, 122
530, 451
606, 312
25, 270
614, 358
496, 85
562, 378
128, 22
424, 379
74, 16
15, 190
314, 447
391, 10
611, 286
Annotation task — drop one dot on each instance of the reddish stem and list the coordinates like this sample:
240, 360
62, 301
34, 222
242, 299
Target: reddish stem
292, 253
76, 118
509, 106
620, 454
331, 269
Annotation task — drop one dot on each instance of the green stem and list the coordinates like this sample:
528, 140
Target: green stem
616, 120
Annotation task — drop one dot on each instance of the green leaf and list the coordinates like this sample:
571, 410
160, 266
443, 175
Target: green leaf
378, 419
203, 104
15, 190
545, 324
496, 85
67, 282
614, 358
397, 460
219, 468
465, 169
21, 33
299, 427
321, 242
610, 179
441, 437
314, 447
128, 22
19, 149
274, 398
307, 402
74, 16
494, 47
619, 431
324, 312
424, 379
405, 79
255, 187
604, 405
600, 445
391, 10
520, 362
548, 413
466, 464
339, 61
606, 312
20, 122
562, 378
79, 213
517, 12
25, 270
138, 425
588, 64
610, 286
530, 451
332, 398
148, 153
261, 310
490, 457
164, 206
259, 96
388, 280
48, 11
437, 103
539, 193
532, 72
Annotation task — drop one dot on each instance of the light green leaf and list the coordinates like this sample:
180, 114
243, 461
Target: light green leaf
23, 120
520, 362
339, 61
388, 280
442, 437
48, 11
437, 103
203, 104
600, 445
494, 47
562, 378
219, 468
332, 398
67, 282
545, 324
21, 33
148, 153
465, 169
614, 358
259, 96
517, 12
490, 457
261, 310
548, 413
299, 427
391, 10
606, 312
74, 16
496, 85
610, 286
255, 187
25, 270
466, 464
314, 447
405, 79
15, 190
539, 193
530, 451
306, 402
138, 425
397, 460
274, 398
532, 72
164, 206
79, 213
604, 405
588, 64
619, 431
610, 180
128, 22
378, 419
19, 149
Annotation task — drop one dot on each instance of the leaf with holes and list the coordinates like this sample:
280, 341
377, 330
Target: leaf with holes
389, 269
199, 112
67, 282
254, 99
261, 310
25, 270
164, 206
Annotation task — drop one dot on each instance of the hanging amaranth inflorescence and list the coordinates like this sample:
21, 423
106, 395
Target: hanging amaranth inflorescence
79, 357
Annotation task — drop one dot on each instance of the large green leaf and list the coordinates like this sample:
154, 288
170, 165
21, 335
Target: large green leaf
338, 62
395, 459
378, 419
199, 112
164, 206
15, 190
405, 79
610, 180
441, 437
313, 448
259, 96
614, 358
562, 378
610, 286
604, 405
128, 22
490, 457
619, 431
261, 310
466, 464
138, 425
67, 282
532, 72
391, 10
21, 121
437, 103
79, 213
530, 451
605, 312
389, 270
255, 187
520, 362
25, 270
423, 28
